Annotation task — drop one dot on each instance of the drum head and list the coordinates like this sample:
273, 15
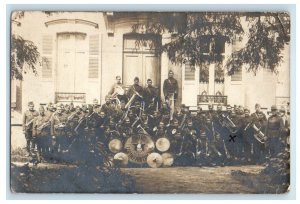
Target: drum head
154, 160
162, 144
168, 159
121, 159
115, 145
138, 147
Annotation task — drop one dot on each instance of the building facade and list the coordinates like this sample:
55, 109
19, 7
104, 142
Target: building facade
82, 53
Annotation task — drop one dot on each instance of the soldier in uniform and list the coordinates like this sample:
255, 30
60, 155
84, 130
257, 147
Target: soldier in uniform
237, 120
28, 119
107, 107
125, 129
50, 109
84, 108
188, 145
274, 129
118, 85
170, 86
58, 130
72, 108
259, 121
247, 132
151, 97
153, 122
165, 113
92, 124
136, 89
257, 111
40, 133
67, 111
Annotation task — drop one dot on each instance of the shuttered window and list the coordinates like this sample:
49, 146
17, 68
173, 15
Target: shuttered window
189, 72
47, 48
47, 67
93, 56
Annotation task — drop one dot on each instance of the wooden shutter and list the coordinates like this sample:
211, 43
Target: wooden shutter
47, 48
93, 56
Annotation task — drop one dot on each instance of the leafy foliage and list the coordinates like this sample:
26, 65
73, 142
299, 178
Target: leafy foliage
266, 40
266, 37
24, 57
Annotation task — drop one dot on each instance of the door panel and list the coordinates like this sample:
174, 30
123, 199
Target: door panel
151, 69
190, 88
132, 68
65, 73
72, 64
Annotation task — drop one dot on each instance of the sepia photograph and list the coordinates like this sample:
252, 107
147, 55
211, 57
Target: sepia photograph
150, 102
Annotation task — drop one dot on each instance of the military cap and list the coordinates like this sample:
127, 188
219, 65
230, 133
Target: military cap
30, 103
246, 109
273, 107
282, 109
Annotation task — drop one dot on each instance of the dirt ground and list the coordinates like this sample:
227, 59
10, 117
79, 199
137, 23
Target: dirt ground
228, 179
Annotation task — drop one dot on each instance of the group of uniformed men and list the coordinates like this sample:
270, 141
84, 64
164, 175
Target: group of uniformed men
209, 137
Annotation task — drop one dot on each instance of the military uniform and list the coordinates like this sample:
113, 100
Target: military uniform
135, 88
170, 87
107, 108
58, 129
247, 132
273, 132
28, 119
259, 149
41, 132
151, 98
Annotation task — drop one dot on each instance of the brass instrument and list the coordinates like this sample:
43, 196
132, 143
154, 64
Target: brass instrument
131, 100
259, 135
60, 125
44, 125
118, 91
72, 116
226, 151
79, 123
182, 124
226, 122
247, 126
29, 123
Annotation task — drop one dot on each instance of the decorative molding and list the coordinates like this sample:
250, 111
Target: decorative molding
72, 21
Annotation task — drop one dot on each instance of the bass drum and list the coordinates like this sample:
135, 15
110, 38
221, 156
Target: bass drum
138, 147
